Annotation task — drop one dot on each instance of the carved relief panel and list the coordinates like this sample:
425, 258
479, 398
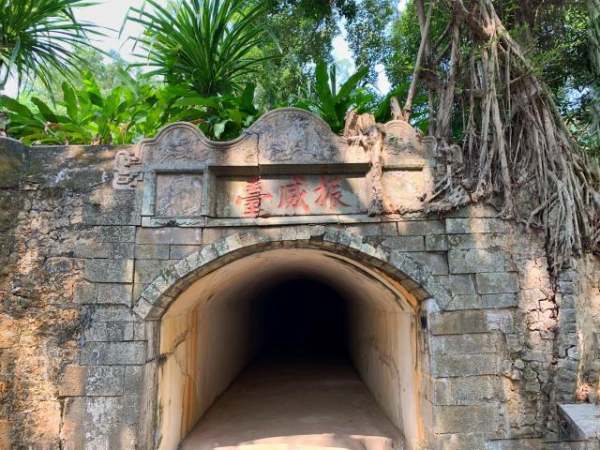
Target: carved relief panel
287, 165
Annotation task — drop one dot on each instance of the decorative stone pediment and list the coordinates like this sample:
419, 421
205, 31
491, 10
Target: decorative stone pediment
287, 165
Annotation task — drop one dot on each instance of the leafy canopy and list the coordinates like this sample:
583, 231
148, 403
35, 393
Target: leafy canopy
208, 45
37, 36
332, 103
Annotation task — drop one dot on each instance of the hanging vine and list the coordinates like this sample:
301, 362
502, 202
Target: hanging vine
514, 151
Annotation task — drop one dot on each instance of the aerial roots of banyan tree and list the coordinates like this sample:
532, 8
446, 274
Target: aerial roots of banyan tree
514, 150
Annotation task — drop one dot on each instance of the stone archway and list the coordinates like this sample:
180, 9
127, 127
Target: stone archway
342, 259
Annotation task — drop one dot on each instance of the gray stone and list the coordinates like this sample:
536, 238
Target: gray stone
465, 343
497, 283
405, 243
373, 229
109, 270
461, 302
169, 235
421, 227
108, 313
469, 390
581, 421
477, 240
491, 301
461, 284
115, 233
459, 322
133, 378
103, 293
148, 269
434, 262
105, 380
181, 251
464, 261
457, 365
151, 251
465, 419
476, 225
109, 353
113, 331
436, 243
460, 441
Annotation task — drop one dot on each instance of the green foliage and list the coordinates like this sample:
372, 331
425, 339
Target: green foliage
87, 115
368, 32
37, 36
219, 117
212, 46
331, 103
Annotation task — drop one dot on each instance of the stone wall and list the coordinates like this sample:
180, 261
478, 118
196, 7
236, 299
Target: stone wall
500, 351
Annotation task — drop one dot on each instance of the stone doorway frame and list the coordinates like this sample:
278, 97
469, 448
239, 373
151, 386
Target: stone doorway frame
411, 278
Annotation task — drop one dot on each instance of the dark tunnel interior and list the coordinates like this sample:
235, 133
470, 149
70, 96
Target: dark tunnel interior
302, 318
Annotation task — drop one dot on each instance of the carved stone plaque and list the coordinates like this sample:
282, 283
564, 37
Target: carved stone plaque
294, 195
178, 195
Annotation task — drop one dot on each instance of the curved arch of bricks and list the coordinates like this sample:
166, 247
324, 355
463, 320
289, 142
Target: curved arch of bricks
162, 291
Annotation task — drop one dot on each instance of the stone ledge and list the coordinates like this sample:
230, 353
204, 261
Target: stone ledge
580, 421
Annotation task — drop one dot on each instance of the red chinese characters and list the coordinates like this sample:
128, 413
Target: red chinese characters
253, 199
329, 193
292, 195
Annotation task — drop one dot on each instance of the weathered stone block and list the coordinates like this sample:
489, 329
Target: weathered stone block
465, 343
91, 249
113, 353
459, 322
113, 331
109, 270
436, 243
463, 261
468, 390
103, 293
421, 227
151, 251
405, 243
476, 225
492, 301
169, 235
453, 365
181, 251
461, 284
8, 331
115, 233
105, 380
434, 262
465, 419
5, 439
519, 444
461, 302
373, 229
148, 269
133, 378
497, 283
477, 240
72, 432
112, 313
461, 441
72, 381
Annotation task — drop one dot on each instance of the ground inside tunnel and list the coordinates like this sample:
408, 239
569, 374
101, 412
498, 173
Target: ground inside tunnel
300, 352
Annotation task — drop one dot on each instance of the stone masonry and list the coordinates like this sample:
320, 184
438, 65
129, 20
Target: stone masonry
96, 241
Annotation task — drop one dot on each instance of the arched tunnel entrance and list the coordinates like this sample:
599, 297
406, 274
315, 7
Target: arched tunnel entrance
290, 347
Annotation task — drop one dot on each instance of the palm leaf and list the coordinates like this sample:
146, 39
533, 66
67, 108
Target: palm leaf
210, 45
38, 35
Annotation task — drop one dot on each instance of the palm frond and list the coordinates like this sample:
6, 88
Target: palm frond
209, 45
38, 35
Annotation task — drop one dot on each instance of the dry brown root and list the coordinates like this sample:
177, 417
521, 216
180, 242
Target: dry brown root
515, 145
